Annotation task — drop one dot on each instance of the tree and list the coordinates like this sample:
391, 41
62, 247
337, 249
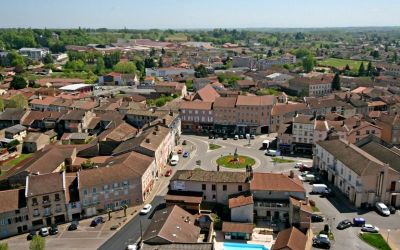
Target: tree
12, 144
109, 213
100, 66
336, 82
37, 243
160, 62
152, 52
369, 69
361, 70
87, 164
48, 59
163, 51
124, 207
300, 53
375, 54
269, 54
149, 63
394, 57
200, 71
18, 82
1, 105
140, 67
308, 63
125, 67
17, 101
347, 68
15, 59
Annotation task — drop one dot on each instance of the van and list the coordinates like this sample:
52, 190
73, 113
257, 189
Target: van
320, 189
265, 144
174, 160
382, 209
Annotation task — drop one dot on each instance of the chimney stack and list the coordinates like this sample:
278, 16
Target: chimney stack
147, 140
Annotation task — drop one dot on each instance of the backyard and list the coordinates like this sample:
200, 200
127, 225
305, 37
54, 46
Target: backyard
16, 160
341, 63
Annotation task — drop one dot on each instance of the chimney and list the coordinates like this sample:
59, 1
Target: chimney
154, 132
164, 121
147, 140
157, 128
291, 174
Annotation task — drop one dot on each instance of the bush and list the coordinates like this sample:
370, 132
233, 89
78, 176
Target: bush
37, 243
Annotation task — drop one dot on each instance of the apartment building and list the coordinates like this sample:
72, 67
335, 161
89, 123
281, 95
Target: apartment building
197, 116
126, 179
46, 199
311, 86
225, 115
303, 133
390, 125
35, 54
362, 177
14, 216
254, 113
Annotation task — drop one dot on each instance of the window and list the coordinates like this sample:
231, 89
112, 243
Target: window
116, 193
36, 212
94, 190
57, 197
17, 211
46, 199
203, 186
213, 187
85, 192
358, 133
240, 188
105, 188
373, 131
205, 197
367, 132
126, 192
223, 187
106, 196
34, 202
115, 185
349, 177
213, 196
126, 184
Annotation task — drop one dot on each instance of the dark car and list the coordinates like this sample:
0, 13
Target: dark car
392, 209
96, 221
210, 136
305, 168
73, 226
322, 244
344, 224
225, 137
53, 230
317, 218
30, 235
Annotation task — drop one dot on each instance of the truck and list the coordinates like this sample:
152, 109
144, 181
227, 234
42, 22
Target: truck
320, 189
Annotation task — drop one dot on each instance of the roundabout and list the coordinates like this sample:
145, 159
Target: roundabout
235, 161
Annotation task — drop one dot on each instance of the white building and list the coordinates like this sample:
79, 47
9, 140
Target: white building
35, 54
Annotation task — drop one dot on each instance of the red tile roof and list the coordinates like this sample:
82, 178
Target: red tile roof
241, 200
276, 182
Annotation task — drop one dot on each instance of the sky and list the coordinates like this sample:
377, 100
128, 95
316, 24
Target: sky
195, 14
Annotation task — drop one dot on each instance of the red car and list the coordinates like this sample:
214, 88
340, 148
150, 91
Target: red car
168, 173
305, 168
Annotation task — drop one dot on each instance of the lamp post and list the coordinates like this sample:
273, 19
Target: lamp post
387, 238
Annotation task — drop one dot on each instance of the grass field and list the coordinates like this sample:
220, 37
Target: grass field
280, 160
178, 37
375, 240
341, 63
213, 146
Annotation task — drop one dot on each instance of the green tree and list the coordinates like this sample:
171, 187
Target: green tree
17, 101
163, 51
200, 71
48, 59
140, 67
15, 59
149, 63
87, 164
336, 82
308, 63
160, 62
4, 246
18, 82
1, 105
361, 70
375, 54
37, 243
100, 66
302, 52
347, 68
369, 69
125, 67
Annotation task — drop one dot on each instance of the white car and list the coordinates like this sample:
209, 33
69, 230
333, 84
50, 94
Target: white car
44, 232
382, 209
131, 247
270, 152
370, 228
146, 209
298, 165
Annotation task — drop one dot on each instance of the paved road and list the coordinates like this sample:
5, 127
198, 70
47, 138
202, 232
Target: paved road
130, 233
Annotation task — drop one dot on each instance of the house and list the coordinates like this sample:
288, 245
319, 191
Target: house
190, 201
112, 78
14, 217
75, 138
311, 86
303, 133
139, 118
46, 198
237, 231
206, 94
42, 120
254, 113
291, 239
34, 142
126, 179
16, 132
76, 121
390, 125
282, 111
197, 116
171, 225
199, 83
171, 71
171, 88
245, 84
361, 177
215, 186
12, 116
179, 246
35, 54
121, 132
242, 208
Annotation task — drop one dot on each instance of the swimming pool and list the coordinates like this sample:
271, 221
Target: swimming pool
239, 246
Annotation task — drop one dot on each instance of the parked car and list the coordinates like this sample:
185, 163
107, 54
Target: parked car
370, 228
225, 137
179, 151
322, 241
382, 209
210, 136
186, 154
358, 222
344, 224
174, 160
96, 221
305, 168
241, 137
392, 209
73, 226
44, 231
131, 247
53, 230
236, 137
317, 218
146, 209
252, 137
168, 173
31, 234
270, 152
298, 164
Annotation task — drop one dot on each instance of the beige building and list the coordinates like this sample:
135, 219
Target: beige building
225, 114
14, 218
34, 142
46, 199
363, 178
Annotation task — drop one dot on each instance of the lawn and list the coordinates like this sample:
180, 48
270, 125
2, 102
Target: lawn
281, 160
178, 37
212, 146
341, 63
17, 160
375, 240
229, 162
268, 91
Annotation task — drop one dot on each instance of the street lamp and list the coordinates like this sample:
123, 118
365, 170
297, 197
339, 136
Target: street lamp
387, 239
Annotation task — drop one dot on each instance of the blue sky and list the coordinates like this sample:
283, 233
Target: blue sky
144, 14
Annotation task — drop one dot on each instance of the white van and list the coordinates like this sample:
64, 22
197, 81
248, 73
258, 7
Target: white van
320, 189
382, 209
174, 160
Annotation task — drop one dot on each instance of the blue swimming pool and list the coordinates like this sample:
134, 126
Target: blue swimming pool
239, 246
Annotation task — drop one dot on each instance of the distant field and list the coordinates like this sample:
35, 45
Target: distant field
341, 63
178, 37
